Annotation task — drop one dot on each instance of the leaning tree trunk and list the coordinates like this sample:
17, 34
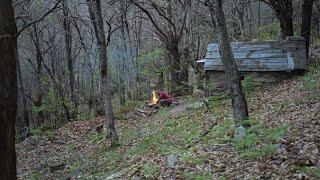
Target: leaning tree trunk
94, 7
240, 109
8, 90
306, 22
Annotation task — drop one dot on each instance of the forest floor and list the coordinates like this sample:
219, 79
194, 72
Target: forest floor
282, 140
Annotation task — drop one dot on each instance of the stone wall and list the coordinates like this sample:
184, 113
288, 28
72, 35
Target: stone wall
216, 81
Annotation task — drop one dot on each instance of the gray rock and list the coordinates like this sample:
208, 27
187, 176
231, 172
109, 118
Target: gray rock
240, 132
277, 146
172, 159
208, 168
144, 132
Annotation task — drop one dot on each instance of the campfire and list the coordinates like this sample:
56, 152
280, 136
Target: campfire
151, 106
154, 98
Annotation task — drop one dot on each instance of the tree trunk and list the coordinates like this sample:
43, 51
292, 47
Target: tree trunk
25, 112
306, 16
121, 78
286, 24
283, 10
184, 74
240, 12
316, 18
8, 90
38, 71
68, 41
160, 81
250, 21
240, 109
179, 76
138, 34
175, 67
123, 63
199, 70
94, 7
90, 101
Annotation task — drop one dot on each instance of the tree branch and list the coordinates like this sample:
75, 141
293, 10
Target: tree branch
40, 19
161, 33
162, 14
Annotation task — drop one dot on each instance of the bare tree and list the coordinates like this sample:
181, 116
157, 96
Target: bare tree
239, 103
25, 113
8, 90
123, 54
94, 7
306, 22
68, 41
34, 36
170, 32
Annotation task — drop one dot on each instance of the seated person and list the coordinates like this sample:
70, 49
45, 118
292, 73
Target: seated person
164, 98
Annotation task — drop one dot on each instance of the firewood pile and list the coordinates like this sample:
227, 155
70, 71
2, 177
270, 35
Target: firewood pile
145, 112
148, 109
151, 106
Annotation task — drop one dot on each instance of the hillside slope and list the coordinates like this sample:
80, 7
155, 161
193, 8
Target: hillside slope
282, 140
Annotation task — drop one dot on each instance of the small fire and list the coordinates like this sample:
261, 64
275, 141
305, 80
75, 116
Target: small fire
154, 97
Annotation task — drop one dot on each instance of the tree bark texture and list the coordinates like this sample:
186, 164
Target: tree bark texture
68, 41
96, 17
284, 11
175, 67
239, 103
306, 16
25, 112
38, 73
8, 90
122, 63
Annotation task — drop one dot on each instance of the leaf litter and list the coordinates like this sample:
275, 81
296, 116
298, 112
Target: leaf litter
177, 133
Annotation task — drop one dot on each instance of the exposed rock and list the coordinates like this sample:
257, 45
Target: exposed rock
172, 159
240, 132
144, 132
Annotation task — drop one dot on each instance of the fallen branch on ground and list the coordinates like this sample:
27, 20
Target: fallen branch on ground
144, 113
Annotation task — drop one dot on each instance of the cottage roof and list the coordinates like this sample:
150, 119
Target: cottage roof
285, 55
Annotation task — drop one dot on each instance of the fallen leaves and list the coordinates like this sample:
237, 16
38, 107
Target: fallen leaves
148, 142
